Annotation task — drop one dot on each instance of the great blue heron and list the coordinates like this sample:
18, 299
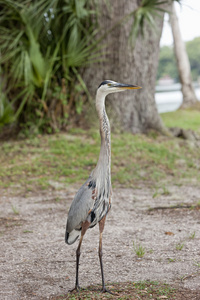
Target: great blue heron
93, 200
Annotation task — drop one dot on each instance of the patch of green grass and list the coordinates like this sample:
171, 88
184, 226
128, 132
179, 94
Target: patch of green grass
186, 119
70, 158
171, 259
161, 191
192, 235
124, 291
151, 287
139, 249
179, 246
197, 264
15, 210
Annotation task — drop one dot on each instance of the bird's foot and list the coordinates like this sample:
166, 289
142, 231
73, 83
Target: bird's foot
105, 290
77, 288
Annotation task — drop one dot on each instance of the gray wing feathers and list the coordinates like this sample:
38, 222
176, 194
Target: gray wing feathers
80, 206
93, 196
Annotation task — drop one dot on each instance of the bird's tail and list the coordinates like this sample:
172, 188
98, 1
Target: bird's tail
71, 237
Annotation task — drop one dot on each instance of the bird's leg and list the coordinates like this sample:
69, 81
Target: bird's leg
78, 253
101, 228
85, 226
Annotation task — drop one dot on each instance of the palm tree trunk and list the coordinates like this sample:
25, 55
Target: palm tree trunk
183, 64
134, 112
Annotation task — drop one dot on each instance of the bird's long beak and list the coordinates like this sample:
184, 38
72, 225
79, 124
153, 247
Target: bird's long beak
126, 86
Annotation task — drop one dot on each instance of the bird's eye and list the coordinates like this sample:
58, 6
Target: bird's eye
109, 84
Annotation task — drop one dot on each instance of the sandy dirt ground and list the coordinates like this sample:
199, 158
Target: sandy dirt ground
35, 262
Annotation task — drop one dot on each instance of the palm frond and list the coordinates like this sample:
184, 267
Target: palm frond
146, 13
42, 42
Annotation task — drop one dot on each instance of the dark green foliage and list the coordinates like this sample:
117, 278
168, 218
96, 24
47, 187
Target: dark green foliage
145, 13
42, 44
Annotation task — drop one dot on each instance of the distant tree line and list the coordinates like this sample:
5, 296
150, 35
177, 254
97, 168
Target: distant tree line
167, 62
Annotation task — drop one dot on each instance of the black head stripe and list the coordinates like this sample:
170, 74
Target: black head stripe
104, 82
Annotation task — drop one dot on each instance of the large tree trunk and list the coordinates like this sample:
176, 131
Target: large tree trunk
133, 111
183, 64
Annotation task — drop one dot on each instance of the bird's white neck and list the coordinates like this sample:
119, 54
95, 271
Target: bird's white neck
105, 151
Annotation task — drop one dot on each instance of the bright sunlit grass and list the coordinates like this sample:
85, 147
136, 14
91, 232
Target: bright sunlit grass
186, 119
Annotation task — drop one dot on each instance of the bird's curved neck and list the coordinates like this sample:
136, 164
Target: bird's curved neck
105, 151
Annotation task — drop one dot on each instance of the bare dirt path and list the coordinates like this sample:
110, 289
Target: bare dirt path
35, 263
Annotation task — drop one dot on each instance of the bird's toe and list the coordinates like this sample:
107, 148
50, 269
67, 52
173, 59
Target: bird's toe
77, 288
105, 290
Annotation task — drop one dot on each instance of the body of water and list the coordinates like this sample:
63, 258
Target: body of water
169, 98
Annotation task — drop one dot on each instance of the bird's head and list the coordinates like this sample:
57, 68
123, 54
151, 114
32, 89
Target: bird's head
109, 86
